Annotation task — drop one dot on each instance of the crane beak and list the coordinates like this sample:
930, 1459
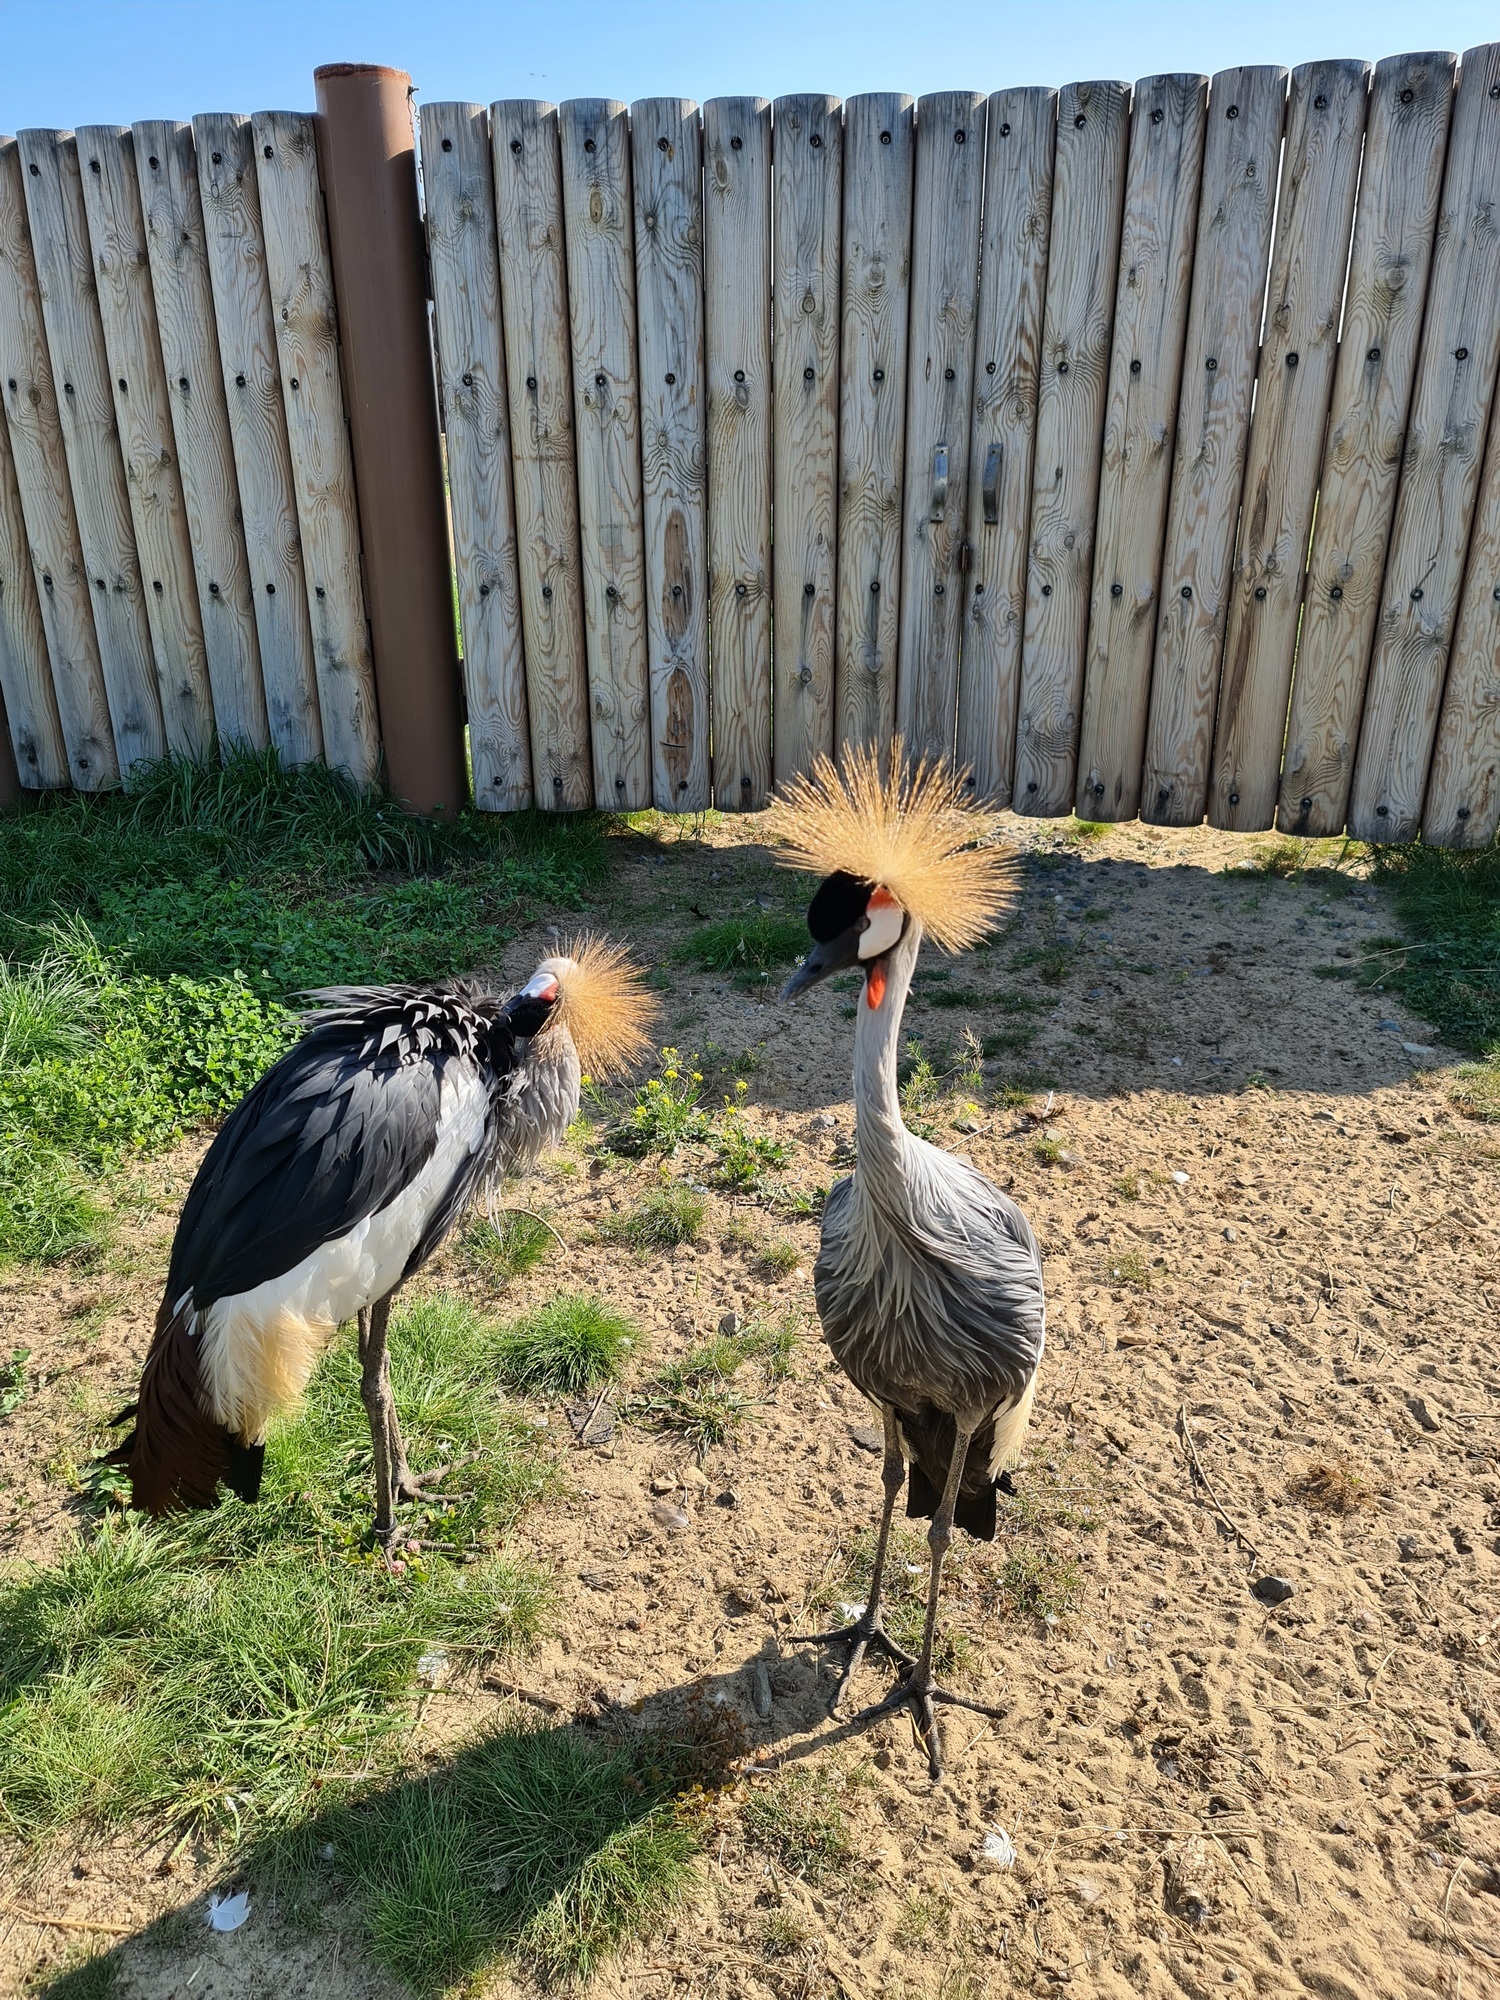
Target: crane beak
837, 955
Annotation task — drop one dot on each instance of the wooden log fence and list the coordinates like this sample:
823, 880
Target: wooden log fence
1132, 448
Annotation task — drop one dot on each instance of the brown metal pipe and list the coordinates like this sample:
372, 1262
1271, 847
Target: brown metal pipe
367, 155
10, 777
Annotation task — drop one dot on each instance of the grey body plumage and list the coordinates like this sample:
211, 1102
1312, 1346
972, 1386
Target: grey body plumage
929, 1279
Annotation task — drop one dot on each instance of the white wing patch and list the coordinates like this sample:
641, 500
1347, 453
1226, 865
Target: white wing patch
259, 1347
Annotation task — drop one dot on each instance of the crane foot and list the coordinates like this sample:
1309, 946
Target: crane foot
919, 1692
866, 1631
411, 1485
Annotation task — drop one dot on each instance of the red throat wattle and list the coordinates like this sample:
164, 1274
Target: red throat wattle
875, 984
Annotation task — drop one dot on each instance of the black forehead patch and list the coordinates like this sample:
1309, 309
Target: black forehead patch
838, 905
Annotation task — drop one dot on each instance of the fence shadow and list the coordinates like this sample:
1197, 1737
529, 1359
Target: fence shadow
1111, 978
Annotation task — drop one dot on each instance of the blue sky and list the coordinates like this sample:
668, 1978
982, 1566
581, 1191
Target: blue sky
73, 62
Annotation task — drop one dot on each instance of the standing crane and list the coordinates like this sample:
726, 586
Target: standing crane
334, 1179
929, 1280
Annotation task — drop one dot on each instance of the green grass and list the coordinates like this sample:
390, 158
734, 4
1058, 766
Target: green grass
666, 1217
506, 1247
1448, 969
568, 1346
698, 1398
233, 1670
746, 944
150, 945
664, 1112
800, 1819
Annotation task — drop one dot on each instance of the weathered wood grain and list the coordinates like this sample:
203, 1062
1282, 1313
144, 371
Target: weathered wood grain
1462, 807
30, 705
80, 367
808, 197
46, 499
167, 171
1246, 112
1400, 180
143, 418
534, 314
666, 157
879, 152
1088, 191
1168, 125
458, 184
234, 245
306, 323
600, 225
1019, 150
1319, 175
737, 338
1440, 471
939, 387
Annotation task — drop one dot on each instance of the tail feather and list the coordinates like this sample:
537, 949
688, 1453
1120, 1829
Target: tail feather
178, 1453
929, 1435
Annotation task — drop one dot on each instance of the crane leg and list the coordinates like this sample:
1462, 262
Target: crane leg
375, 1394
917, 1687
867, 1630
375, 1390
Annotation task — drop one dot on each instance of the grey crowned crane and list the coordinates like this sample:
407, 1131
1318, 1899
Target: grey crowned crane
339, 1175
929, 1280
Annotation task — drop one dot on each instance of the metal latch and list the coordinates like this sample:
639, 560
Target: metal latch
939, 482
992, 485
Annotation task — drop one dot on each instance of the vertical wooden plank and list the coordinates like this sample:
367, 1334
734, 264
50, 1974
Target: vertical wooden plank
1088, 192
143, 419
1400, 180
234, 246
809, 149
737, 342
600, 227
939, 388
167, 171
30, 705
1440, 471
1019, 152
1246, 111
75, 342
666, 154
1320, 172
1462, 808
1167, 128
306, 323
46, 499
879, 152
459, 189
534, 314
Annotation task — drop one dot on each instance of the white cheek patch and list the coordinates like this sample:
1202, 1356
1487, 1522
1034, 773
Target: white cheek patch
885, 919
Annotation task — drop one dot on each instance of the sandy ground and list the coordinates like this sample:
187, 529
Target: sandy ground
1270, 1240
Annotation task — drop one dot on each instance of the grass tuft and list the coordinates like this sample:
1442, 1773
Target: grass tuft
566, 1347
669, 1215
697, 1398
801, 1821
505, 1247
1332, 1486
746, 944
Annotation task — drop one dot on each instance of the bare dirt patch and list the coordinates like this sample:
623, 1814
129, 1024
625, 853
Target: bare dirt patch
1272, 1246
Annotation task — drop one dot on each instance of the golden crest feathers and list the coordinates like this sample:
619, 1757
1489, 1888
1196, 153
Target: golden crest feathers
911, 832
604, 1004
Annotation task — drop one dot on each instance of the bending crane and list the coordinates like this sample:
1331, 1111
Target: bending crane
340, 1174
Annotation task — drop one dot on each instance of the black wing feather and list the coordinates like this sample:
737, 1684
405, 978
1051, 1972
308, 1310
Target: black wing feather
330, 1134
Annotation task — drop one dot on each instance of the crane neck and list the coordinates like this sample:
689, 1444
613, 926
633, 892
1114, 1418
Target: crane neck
882, 1139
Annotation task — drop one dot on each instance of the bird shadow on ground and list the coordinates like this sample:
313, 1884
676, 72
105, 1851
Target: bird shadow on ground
550, 1840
